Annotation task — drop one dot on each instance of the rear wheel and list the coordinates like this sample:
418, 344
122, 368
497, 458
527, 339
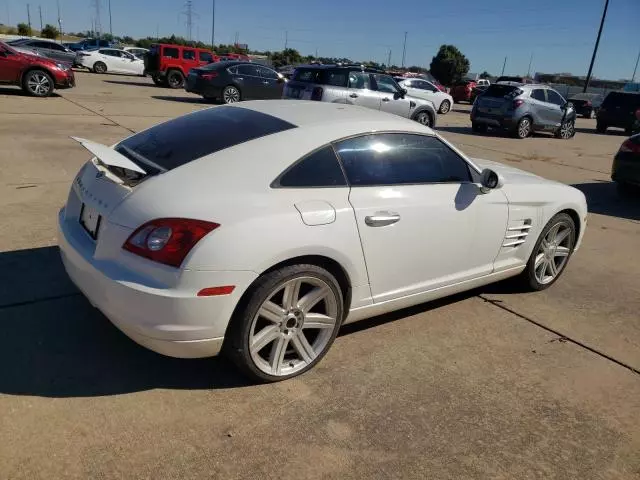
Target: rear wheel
601, 128
424, 118
524, 128
288, 323
445, 106
99, 67
37, 83
551, 253
175, 79
231, 94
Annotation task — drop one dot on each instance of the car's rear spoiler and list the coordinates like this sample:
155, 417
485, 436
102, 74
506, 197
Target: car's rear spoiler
108, 155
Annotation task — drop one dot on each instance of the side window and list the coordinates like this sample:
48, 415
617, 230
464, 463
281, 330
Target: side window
555, 98
188, 54
319, 169
250, 70
232, 70
428, 86
108, 53
206, 57
267, 73
385, 84
538, 94
57, 47
398, 158
170, 52
359, 80
337, 78
43, 45
409, 84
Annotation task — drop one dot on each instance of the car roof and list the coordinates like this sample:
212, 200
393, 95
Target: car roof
342, 67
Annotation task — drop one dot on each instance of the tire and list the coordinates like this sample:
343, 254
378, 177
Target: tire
99, 67
478, 127
627, 191
534, 277
231, 94
567, 130
175, 79
423, 118
628, 131
445, 107
524, 128
275, 347
37, 83
592, 114
601, 128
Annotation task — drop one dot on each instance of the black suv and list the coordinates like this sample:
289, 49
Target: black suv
357, 85
618, 110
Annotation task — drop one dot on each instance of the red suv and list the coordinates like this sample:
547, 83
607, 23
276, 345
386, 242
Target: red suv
462, 91
38, 76
168, 65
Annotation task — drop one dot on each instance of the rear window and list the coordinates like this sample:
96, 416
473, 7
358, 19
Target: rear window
615, 99
500, 91
319, 169
189, 54
308, 75
184, 139
206, 57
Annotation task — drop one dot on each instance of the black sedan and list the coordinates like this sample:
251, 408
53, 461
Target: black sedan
626, 166
586, 104
235, 81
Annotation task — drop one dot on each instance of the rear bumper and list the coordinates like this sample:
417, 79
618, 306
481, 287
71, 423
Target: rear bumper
495, 121
626, 168
202, 88
170, 320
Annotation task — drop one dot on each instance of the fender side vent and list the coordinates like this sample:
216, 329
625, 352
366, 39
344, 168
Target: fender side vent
517, 233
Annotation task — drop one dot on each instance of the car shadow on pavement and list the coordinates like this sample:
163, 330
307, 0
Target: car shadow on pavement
610, 132
169, 98
603, 198
137, 84
17, 92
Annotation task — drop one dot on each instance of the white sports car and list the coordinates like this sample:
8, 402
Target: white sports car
264, 227
110, 60
420, 88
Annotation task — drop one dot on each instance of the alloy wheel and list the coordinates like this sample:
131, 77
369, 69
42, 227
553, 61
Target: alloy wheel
423, 118
524, 128
444, 107
567, 130
39, 84
553, 252
293, 326
231, 95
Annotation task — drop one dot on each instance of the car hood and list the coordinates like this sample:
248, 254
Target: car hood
511, 175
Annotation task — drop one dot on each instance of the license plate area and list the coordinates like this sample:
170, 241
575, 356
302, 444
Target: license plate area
90, 220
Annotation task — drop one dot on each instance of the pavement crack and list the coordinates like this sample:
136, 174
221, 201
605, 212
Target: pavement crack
562, 338
38, 300
113, 122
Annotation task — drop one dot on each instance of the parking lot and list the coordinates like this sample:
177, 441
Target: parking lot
492, 383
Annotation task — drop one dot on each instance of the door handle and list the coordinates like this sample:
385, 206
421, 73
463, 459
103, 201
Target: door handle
265, 82
381, 219
353, 95
239, 78
385, 99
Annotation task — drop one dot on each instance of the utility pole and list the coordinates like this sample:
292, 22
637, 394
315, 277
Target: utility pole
157, 31
503, 66
110, 24
235, 43
529, 69
404, 48
595, 48
98, 24
635, 69
41, 26
286, 39
59, 19
213, 23
8, 15
29, 16
189, 14
389, 59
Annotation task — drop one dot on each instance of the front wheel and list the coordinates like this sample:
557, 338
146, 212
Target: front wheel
37, 83
231, 94
445, 106
287, 324
567, 130
551, 253
424, 118
601, 128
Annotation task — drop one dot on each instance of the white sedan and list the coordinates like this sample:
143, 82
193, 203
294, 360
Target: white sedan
110, 60
420, 88
260, 229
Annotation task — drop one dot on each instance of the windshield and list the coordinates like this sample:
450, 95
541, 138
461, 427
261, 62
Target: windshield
506, 91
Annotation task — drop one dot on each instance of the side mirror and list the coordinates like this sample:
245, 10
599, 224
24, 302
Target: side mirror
490, 180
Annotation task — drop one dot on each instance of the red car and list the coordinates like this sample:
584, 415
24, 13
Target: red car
38, 76
463, 91
168, 65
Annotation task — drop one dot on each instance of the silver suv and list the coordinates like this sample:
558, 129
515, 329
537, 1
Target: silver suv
523, 109
355, 85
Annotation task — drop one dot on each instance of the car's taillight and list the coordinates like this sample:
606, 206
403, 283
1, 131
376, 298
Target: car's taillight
629, 146
316, 93
517, 103
168, 240
209, 76
587, 104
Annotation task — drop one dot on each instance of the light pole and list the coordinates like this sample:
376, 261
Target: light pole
633, 77
595, 48
529, 69
404, 48
110, 26
503, 66
213, 24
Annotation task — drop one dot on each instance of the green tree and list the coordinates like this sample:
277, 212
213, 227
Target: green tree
449, 65
24, 29
49, 31
485, 74
287, 56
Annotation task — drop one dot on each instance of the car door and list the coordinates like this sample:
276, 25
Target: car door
423, 222
10, 65
271, 83
539, 109
189, 60
555, 106
360, 92
391, 99
132, 64
111, 58
249, 81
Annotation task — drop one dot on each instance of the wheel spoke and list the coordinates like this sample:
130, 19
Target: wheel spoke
302, 347
291, 294
271, 312
540, 260
553, 269
562, 235
550, 237
265, 337
276, 357
561, 252
307, 302
318, 320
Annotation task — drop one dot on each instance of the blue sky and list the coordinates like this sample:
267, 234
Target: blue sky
559, 34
